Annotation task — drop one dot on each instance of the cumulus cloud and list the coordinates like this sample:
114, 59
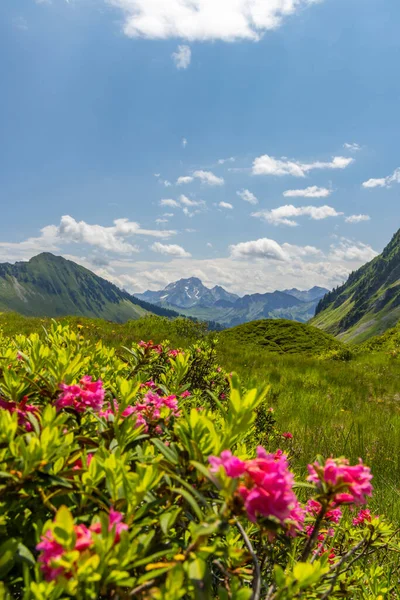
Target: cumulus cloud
268, 165
184, 142
226, 205
384, 181
185, 179
348, 250
357, 218
206, 177
204, 20
352, 147
185, 201
182, 57
247, 196
283, 214
310, 192
170, 250
262, 248
169, 202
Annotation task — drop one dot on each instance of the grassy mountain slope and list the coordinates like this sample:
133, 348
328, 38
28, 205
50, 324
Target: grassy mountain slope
368, 303
52, 286
282, 336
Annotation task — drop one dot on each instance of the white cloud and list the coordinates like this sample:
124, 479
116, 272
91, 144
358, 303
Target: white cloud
161, 221
168, 215
247, 196
182, 57
295, 251
222, 161
268, 165
184, 142
169, 202
384, 181
170, 250
209, 245
310, 192
187, 202
348, 250
208, 177
357, 218
352, 147
182, 180
263, 248
204, 176
167, 183
283, 214
204, 20
226, 205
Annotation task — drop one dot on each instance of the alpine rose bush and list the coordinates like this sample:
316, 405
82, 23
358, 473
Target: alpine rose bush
135, 475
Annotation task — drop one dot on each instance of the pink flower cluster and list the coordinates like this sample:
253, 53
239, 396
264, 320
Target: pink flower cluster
52, 553
364, 516
148, 410
150, 346
22, 409
88, 395
266, 486
313, 508
346, 484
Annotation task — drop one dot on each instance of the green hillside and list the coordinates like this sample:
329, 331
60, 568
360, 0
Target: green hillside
52, 286
368, 303
281, 336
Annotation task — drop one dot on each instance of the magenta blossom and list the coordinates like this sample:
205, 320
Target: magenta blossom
78, 465
287, 435
22, 409
314, 508
52, 553
364, 516
234, 467
115, 524
151, 346
265, 488
186, 394
347, 484
88, 395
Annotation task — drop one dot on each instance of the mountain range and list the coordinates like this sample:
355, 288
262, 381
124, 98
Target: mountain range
368, 303
192, 298
52, 286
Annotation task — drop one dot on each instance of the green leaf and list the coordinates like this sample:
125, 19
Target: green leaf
166, 451
189, 498
7, 556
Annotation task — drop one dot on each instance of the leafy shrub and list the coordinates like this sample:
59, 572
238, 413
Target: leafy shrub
135, 475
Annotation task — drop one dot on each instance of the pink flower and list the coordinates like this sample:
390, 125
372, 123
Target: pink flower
22, 409
346, 484
78, 465
186, 394
313, 508
287, 435
234, 467
148, 384
150, 346
266, 487
174, 353
364, 516
88, 395
115, 524
51, 552
219, 369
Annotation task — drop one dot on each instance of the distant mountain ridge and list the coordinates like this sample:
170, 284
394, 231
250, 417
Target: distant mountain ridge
368, 303
51, 286
192, 298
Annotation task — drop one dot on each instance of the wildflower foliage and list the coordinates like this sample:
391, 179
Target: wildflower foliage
135, 474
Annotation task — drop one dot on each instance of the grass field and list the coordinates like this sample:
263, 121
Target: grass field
332, 407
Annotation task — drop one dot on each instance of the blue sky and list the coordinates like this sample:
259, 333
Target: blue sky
106, 104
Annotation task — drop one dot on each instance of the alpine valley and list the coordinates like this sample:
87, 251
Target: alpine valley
193, 299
